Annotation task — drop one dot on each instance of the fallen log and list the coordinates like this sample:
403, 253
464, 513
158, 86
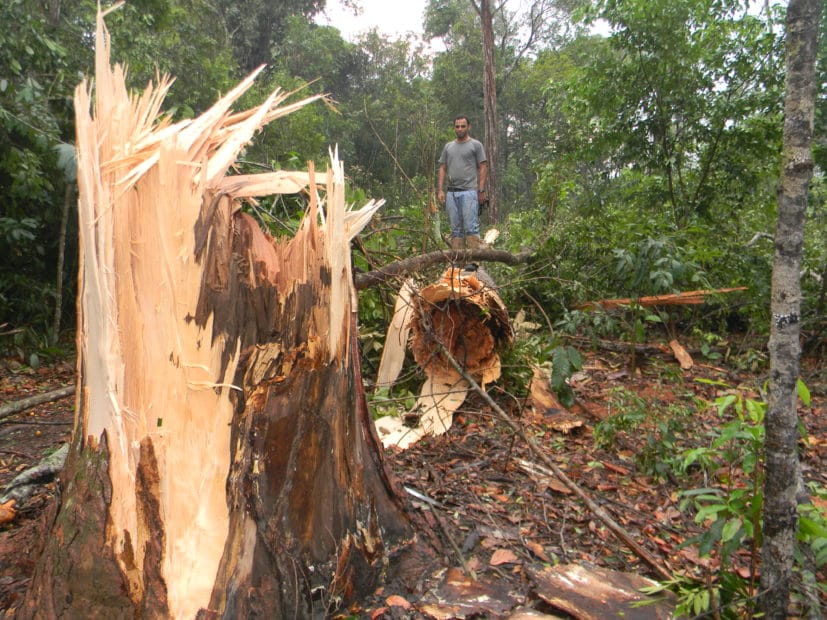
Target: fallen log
417, 263
23, 486
686, 298
32, 401
464, 311
620, 346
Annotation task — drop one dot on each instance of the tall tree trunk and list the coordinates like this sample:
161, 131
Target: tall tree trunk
782, 465
223, 462
489, 93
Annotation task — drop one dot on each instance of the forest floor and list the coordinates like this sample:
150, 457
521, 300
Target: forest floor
507, 536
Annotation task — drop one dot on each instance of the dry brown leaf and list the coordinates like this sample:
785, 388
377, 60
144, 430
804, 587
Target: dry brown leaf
691, 554
503, 556
616, 468
7, 511
397, 601
537, 549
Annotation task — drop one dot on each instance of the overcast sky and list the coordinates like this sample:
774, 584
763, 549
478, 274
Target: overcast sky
393, 18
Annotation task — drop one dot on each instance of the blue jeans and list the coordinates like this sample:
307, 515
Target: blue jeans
463, 213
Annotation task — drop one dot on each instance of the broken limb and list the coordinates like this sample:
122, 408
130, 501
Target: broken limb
599, 512
417, 263
32, 401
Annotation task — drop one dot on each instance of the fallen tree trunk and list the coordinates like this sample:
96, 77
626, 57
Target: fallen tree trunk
414, 264
223, 462
24, 484
464, 311
33, 401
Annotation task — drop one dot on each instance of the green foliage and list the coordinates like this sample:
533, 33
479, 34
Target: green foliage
257, 26
697, 599
565, 361
662, 152
812, 528
382, 404
730, 512
33, 94
538, 350
664, 441
627, 411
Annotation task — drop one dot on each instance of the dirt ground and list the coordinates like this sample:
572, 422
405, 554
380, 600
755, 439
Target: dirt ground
25, 438
497, 522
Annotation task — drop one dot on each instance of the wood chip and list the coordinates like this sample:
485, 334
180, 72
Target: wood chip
681, 354
7, 511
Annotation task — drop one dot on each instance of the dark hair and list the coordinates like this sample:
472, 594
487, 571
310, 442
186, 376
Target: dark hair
462, 117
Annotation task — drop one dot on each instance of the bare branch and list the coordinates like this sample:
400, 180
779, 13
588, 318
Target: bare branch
32, 401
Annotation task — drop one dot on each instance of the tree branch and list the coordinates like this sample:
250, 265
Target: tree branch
27, 403
417, 263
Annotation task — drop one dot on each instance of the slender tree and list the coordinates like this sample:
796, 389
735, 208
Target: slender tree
782, 465
489, 93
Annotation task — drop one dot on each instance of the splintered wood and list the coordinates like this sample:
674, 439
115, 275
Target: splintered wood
158, 217
459, 315
685, 298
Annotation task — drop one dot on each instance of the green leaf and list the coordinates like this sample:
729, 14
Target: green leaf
710, 511
710, 537
812, 528
731, 528
803, 392
725, 402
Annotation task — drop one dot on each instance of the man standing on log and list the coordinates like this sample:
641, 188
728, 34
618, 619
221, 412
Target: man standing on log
466, 166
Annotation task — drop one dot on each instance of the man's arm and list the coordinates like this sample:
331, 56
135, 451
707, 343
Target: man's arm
482, 195
440, 184
483, 172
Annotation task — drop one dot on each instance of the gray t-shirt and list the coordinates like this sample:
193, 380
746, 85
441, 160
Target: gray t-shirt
462, 160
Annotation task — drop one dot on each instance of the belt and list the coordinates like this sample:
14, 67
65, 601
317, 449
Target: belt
459, 189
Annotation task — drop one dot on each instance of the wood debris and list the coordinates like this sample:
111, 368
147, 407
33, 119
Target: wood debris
546, 408
685, 298
598, 593
681, 354
461, 314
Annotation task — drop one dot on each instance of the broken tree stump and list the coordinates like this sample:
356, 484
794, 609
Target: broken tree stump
223, 463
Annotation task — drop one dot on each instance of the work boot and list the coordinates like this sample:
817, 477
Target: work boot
457, 243
473, 242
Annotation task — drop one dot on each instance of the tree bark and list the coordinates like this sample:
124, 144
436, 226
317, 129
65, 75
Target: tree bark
782, 465
223, 462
